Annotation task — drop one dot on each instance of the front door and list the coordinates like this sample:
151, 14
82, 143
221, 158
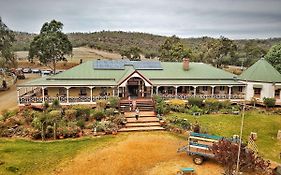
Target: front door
133, 90
135, 86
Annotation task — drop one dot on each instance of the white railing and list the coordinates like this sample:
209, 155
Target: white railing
29, 100
216, 96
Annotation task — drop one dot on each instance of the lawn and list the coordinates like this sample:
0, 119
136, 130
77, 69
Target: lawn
31, 157
266, 127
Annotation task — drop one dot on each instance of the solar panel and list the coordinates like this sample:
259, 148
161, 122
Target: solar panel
120, 64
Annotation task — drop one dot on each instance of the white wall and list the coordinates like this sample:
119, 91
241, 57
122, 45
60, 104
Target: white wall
266, 91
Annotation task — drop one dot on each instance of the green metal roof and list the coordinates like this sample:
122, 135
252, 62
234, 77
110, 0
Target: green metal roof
261, 71
44, 82
171, 74
174, 70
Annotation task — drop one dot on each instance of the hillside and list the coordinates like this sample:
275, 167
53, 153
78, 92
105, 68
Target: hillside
116, 41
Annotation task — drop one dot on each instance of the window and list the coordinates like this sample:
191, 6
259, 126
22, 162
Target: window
83, 91
257, 91
240, 89
62, 91
222, 88
277, 93
205, 88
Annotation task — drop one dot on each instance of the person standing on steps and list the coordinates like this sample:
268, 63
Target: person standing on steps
137, 113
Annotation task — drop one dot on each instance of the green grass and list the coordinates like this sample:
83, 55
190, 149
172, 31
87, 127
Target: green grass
266, 126
31, 157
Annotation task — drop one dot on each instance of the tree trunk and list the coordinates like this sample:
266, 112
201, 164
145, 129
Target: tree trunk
54, 66
55, 130
42, 132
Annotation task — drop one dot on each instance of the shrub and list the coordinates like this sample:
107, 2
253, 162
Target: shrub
56, 103
212, 105
225, 104
177, 105
269, 102
70, 114
179, 122
46, 105
162, 108
82, 112
118, 119
113, 102
105, 126
55, 114
98, 115
109, 112
195, 109
81, 124
101, 104
99, 126
195, 101
7, 114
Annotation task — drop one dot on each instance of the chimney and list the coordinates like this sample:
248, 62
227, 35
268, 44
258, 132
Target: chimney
185, 64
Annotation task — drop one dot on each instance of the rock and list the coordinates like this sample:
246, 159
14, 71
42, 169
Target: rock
279, 135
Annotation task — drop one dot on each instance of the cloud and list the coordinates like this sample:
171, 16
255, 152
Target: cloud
185, 18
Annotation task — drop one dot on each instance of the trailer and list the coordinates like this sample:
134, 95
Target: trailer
199, 146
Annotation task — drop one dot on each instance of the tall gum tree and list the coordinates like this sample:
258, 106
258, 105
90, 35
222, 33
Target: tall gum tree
7, 37
51, 45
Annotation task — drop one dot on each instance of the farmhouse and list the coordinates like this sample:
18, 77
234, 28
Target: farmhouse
100, 79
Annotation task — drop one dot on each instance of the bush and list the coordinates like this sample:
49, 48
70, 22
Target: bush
177, 105
81, 124
212, 105
101, 104
56, 104
195, 101
109, 112
161, 106
195, 109
82, 112
70, 114
179, 122
98, 115
113, 102
55, 114
105, 126
269, 102
45, 105
8, 113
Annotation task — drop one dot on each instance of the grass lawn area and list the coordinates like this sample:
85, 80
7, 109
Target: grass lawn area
266, 126
43, 157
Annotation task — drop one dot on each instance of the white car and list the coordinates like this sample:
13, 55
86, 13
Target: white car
45, 73
36, 71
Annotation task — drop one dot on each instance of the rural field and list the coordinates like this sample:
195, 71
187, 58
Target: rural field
84, 53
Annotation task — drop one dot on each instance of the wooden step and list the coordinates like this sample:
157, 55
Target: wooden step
152, 128
142, 124
142, 120
142, 113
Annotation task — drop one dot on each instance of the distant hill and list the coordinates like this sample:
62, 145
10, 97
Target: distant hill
115, 41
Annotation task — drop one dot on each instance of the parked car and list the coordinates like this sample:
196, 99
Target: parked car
36, 71
277, 170
45, 73
27, 70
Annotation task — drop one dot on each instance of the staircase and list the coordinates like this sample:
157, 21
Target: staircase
142, 104
147, 121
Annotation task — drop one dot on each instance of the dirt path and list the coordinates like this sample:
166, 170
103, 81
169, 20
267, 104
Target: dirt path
139, 154
8, 99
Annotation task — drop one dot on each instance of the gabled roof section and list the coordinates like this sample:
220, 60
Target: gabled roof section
261, 71
127, 77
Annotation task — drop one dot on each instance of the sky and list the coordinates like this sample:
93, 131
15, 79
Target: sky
236, 19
